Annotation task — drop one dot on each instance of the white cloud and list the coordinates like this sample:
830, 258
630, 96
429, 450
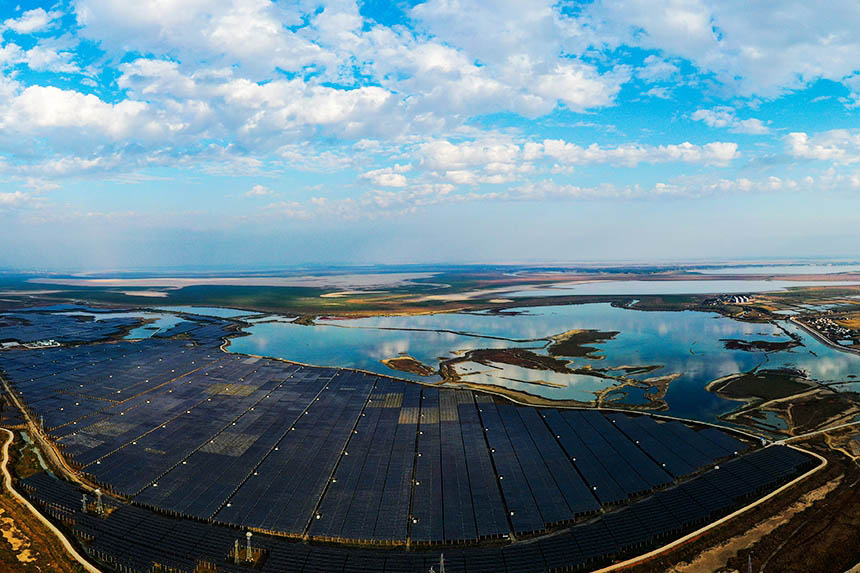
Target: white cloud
660, 92
689, 187
388, 176
754, 48
657, 69
288, 209
444, 155
307, 157
384, 203
630, 155
214, 71
837, 145
40, 185
14, 198
10, 54
46, 58
262, 114
154, 77
503, 160
259, 191
853, 84
579, 86
315, 86
39, 108
489, 160
725, 117
375, 203
63, 166
30, 21
251, 32
439, 68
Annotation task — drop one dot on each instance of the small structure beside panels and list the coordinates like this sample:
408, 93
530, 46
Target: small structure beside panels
203, 445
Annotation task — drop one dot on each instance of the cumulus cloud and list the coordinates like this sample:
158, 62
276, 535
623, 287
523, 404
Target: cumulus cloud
714, 153
48, 58
660, 92
371, 204
444, 155
40, 108
254, 33
503, 157
491, 160
246, 86
655, 68
288, 210
385, 203
853, 84
10, 199
260, 113
725, 117
259, 191
438, 67
579, 87
837, 145
753, 49
30, 22
388, 176
40, 184
681, 187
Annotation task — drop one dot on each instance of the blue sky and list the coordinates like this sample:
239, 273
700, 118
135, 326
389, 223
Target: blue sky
258, 132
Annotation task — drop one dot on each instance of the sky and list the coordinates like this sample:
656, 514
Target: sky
258, 132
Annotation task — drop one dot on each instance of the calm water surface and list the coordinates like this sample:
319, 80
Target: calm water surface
672, 287
784, 269
162, 321
687, 343
214, 311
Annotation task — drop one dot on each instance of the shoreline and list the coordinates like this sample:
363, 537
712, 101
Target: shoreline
821, 338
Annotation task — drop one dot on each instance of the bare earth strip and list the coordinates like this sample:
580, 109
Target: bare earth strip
717, 557
690, 537
355, 280
7, 482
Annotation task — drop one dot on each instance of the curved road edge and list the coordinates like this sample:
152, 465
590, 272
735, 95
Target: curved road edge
820, 337
7, 483
691, 536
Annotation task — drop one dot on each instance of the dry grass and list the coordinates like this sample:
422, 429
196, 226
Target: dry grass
850, 320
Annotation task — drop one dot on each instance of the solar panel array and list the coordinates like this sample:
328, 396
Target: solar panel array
131, 538
215, 439
35, 326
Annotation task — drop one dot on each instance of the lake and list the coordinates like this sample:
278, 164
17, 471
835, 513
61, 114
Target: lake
815, 269
670, 287
685, 343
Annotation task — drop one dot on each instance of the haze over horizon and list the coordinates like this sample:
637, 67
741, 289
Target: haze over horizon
250, 133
